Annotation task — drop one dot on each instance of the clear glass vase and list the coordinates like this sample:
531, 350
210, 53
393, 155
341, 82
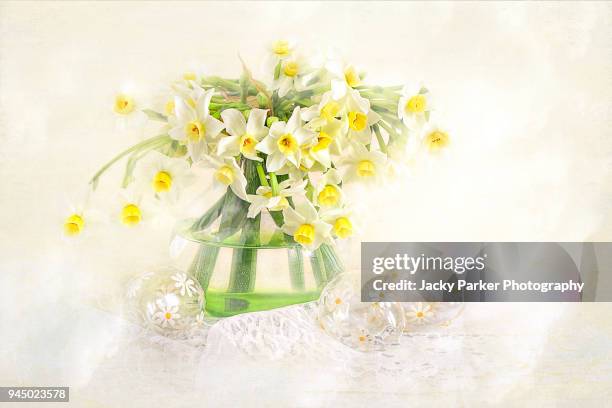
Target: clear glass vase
249, 264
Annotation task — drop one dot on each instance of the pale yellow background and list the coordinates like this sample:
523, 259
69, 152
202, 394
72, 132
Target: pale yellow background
525, 89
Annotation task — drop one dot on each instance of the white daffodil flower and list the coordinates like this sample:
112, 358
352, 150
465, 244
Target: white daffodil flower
290, 76
264, 198
194, 124
80, 215
358, 118
328, 108
345, 77
243, 135
327, 191
363, 165
434, 138
227, 174
163, 175
282, 48
285, 141
305, 226
414, 106
134, 208
341, 220
187, 90
326, 142
278, 51
127, 108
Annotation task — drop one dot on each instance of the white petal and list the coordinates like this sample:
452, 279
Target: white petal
213, 127
203, 103
297, 189
234, 122
267, 145
258, 203
284, 86
306, 209
363, 137
303, 136
239, 186
197, 150
292, 218
278, 129
294, 159
310, 113
294, 121
256, 125
332, 177
177, 133
322, 156
275, 161
338, 89
184, 112
373, 117
228, 146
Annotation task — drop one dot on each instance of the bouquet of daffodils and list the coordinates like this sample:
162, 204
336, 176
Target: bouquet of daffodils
283, 145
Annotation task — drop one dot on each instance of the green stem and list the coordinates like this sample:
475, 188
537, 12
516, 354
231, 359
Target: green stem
262, 175
381, 141
274, 183
388, 128
142, 145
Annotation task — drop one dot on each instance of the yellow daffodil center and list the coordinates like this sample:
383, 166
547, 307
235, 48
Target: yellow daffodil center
291, 68
352, 77
189, 76
195, 131
168, 315
124, 104
74, 225
416, 104
287, 144
305, 234
323, 142
357, 121
362, 338
338, 301
131, 215
343, 227
169, 107
281, 48
329, 196
247, 144
225, 175
365, 168
436, 140
162, 182
330, 110
420, 314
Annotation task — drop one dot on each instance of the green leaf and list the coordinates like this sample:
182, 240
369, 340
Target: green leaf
153, 115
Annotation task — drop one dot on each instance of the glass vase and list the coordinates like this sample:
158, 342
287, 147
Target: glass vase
248, 264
